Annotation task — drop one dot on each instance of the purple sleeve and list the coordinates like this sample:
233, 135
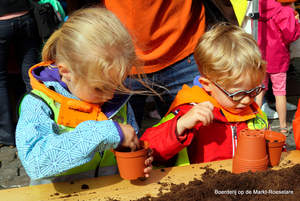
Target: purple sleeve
120, 133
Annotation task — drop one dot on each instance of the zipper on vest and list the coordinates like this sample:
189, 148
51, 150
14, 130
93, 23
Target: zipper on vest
234, 138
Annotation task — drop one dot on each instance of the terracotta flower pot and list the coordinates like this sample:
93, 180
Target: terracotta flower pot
251, 152
275, 141
132, 164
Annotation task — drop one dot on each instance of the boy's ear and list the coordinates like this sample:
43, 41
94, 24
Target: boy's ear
64, 71
206, 84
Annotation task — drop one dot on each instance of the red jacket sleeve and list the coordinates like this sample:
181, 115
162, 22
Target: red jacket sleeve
164, 141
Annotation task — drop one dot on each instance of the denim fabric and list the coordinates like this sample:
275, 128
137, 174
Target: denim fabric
22, 33
172, 78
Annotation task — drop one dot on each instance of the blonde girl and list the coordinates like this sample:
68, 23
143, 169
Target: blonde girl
79, 107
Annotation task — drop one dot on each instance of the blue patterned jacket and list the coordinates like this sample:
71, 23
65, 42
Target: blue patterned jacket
45, 151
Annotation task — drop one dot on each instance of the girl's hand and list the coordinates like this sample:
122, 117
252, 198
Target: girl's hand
201, 112
148, 163
130, 138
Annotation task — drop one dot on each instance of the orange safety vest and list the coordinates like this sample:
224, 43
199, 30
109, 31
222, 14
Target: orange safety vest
296, 127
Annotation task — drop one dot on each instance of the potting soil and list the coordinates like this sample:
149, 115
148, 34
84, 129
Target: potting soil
283, 184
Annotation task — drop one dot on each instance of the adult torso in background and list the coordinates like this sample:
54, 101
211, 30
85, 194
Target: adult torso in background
165, 31
14, 6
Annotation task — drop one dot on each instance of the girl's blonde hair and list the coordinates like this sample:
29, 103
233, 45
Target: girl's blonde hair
96, 47
226, 54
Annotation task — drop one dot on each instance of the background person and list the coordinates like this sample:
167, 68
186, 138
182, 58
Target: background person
18, 29
278, 27
165, 34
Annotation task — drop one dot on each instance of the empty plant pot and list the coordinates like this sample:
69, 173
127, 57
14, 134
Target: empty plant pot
275, 141
132, 164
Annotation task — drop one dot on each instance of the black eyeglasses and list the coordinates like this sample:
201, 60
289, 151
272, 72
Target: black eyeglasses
239, 95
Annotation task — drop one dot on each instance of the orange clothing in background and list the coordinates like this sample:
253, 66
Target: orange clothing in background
164, 31
296, 127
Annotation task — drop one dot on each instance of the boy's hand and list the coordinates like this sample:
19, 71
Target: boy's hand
130, 138
148, 163
201, 112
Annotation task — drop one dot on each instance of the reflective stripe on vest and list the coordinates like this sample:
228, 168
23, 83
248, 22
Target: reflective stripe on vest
182, 158
259, 122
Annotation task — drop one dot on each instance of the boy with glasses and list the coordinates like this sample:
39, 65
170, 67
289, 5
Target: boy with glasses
203, 124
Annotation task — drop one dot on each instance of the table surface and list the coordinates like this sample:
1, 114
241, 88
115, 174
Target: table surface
114, 187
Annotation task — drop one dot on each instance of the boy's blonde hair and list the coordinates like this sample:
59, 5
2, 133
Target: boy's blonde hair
96, 47
226, 54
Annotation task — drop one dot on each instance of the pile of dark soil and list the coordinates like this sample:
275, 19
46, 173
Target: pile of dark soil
283, 184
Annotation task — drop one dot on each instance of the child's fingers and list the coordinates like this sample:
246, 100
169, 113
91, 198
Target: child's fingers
204, 113
201, 112
136, 142
148, 169
150, 152
134, 145
130, 138
149, 160
206, 119
208, 104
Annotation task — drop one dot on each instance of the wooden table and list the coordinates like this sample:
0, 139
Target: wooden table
114, 187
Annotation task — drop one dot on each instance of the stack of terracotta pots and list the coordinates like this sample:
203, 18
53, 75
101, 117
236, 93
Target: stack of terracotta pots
251, 153
256, 150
